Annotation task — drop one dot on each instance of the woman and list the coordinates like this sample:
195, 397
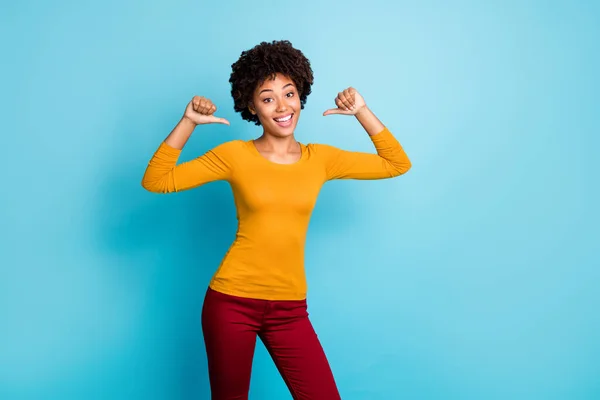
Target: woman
260, 287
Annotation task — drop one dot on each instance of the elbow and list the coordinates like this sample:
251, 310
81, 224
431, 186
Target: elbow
146, 185
153, 186
407, 166
402, 168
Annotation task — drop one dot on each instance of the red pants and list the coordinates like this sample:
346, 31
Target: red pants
230, 325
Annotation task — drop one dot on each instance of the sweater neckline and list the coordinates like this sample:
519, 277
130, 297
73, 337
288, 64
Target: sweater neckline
257, 153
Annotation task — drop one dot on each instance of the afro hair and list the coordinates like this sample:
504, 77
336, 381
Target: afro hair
263, 61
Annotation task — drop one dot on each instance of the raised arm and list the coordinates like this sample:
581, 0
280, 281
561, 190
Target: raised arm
163, 175
390, 160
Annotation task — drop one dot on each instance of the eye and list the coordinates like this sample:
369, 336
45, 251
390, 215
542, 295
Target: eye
267, 100
290, 93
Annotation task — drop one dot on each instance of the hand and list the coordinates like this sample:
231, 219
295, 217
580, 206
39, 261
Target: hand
349, 102
200, 111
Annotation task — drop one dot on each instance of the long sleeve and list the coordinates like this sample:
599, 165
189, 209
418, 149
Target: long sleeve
390, 160
163, 175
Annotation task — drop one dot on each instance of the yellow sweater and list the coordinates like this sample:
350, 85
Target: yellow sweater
274, 203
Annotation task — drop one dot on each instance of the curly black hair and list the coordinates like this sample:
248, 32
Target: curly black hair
263, 61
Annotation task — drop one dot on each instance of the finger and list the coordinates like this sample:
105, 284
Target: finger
212, 109
340, 104
195, 103
350, 97
202, 106
344, 100
339, 101
205, 109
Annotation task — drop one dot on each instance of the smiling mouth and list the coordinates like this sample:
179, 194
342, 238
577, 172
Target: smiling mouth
284, 119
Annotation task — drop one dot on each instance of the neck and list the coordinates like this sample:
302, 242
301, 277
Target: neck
277, 144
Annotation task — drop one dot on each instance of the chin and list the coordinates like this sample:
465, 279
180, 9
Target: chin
284, 133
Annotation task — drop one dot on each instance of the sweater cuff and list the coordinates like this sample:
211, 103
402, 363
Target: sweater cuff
164, 148
381, 135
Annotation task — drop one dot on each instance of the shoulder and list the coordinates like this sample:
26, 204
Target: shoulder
321, 148
231, 147
323, 151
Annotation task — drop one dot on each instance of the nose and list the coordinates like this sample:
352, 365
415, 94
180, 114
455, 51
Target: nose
281, 106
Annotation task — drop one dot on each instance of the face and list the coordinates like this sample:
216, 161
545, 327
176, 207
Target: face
277, 104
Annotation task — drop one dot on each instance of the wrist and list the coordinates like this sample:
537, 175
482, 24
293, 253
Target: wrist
369, 121
361, 111
188, 122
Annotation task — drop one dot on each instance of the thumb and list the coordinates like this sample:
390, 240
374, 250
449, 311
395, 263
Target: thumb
221, 120
333, 111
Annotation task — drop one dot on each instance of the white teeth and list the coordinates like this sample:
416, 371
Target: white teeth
283, 119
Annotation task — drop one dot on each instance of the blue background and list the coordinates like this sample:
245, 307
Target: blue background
474, 276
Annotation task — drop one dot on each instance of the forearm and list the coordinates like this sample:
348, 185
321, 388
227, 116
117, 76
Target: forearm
386, 144
369, 121
180, 134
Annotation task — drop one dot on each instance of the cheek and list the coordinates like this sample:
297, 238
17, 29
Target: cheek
263, 112
296, 103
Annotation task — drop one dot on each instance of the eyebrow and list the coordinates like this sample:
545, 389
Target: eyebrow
270, 90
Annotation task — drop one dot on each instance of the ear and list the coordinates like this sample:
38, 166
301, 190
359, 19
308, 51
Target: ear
251, 108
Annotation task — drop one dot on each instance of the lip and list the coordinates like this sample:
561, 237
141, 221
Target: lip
284, 116
287, 123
